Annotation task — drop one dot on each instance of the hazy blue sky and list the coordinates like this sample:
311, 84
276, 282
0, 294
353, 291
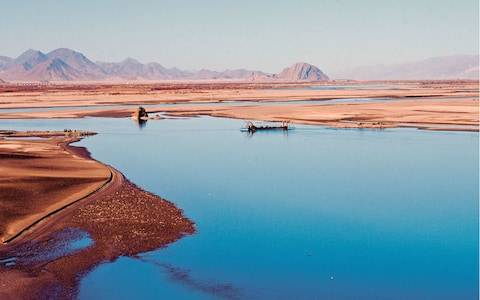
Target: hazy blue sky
266, 35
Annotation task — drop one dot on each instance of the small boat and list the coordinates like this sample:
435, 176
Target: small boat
251, 127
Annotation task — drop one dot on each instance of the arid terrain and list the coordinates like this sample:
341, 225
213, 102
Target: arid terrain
440, 105
39, 177
239, 150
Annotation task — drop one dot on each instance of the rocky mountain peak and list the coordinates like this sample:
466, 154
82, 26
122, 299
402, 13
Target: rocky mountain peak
302, 72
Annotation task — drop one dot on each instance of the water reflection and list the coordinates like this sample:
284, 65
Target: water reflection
250, 134
141, 123
322, 214
184, 277
61, 243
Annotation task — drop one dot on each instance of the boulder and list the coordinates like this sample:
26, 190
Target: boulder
140, 114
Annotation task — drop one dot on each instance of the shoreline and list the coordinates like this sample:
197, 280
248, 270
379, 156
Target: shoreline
428, 105
120, 218
83, 153
444, 115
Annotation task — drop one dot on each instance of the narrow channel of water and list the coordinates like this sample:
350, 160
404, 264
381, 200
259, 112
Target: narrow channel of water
188, 104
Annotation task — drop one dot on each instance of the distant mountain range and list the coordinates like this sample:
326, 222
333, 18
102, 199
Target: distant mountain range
443, 67
69, 65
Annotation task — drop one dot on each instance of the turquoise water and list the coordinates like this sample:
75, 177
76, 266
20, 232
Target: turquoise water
313, 214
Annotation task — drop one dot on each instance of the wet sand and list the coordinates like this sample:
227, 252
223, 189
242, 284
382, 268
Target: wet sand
458, 115
38, 177
433, 105
65, 194
22, 96
431, 114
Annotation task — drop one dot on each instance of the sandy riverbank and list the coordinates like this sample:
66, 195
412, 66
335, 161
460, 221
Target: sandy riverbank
52, 192
434, 105
31, 96
458, 114
432, 114
41, 176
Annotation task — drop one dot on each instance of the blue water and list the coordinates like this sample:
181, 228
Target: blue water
313, 214
159, 107
61, 243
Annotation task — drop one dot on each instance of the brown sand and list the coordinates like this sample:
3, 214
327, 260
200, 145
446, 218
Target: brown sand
434, 105
19, 96
38, 177
461, 114
432, 114
122, 219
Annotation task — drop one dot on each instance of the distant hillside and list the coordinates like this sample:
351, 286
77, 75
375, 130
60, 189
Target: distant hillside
54, 69
79, 62
445, 67
28, 59
68, 65
132, 69
58, 65
4, 62
302, 72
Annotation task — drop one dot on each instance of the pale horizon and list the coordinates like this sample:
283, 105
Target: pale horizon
218, 36
45, 51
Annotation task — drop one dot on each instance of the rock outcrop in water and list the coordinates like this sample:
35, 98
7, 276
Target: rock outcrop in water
140, 114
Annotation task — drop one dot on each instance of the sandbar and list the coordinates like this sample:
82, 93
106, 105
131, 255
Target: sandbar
51, 192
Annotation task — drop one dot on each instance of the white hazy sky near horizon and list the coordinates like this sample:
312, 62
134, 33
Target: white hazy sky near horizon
262, 35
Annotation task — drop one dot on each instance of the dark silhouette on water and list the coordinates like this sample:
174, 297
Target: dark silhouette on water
141, 116
183, 276
141, 123
252, 128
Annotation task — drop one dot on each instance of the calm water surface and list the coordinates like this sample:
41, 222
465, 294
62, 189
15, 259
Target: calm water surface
154, 107
315, 214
